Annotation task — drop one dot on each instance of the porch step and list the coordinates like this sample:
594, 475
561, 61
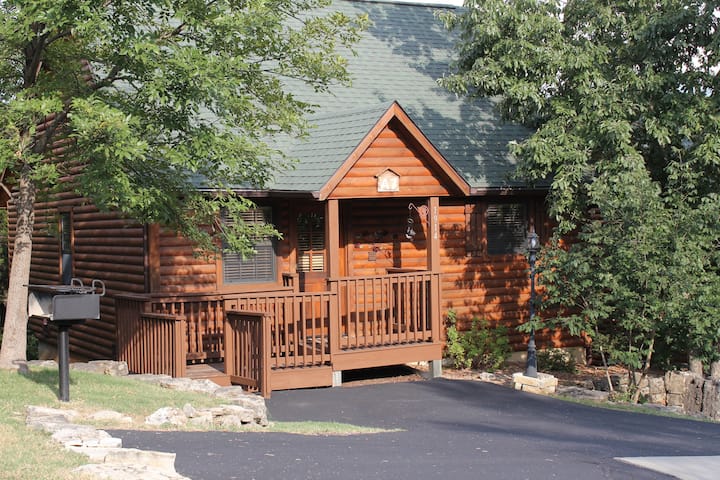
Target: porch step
214, 372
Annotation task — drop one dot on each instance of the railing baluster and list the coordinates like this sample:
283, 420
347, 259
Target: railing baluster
303, 328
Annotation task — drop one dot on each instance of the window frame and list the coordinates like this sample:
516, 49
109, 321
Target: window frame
267, 253
317, 217
66, 246
479, 237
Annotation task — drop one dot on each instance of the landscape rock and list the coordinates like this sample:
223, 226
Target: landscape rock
203, 386
113, 462
676, 382
693, 396
543, 384
588, 385
52, 364
220, 417
487, 377
254, 403
617, 382
110, 416
104, 367
167, 416
36, 412
674, 399
201, 420
162, 462
183, 384
583, 393
74, 435
125, 472
711, 399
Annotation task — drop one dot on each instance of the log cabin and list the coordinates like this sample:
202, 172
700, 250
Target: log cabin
401, 207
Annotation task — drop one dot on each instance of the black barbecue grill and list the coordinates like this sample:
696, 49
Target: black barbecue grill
64, 306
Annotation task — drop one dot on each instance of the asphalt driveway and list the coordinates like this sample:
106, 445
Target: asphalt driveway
450, 428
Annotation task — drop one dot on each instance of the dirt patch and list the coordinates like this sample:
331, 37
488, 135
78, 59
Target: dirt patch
392, 374
582, 377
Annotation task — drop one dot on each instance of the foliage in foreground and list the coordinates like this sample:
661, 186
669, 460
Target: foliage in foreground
623, 98
155, 104
480, 347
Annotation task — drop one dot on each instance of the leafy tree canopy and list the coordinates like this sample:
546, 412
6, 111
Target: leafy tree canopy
157, 94
624, 99
151, 98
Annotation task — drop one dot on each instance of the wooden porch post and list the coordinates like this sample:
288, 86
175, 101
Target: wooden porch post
332, 229
152, 258
433, 264
433, 236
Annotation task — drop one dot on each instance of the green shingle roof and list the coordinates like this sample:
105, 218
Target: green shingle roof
331, 141
400, 58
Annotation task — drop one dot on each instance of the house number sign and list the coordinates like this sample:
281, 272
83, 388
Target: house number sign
388, 181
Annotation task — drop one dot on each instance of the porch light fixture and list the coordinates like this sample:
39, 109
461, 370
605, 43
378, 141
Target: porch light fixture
422, 212
533, 246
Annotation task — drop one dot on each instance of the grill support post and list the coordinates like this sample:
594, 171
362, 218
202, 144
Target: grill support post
64, 361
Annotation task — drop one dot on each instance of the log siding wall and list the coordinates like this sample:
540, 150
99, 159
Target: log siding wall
391, 149
104, 246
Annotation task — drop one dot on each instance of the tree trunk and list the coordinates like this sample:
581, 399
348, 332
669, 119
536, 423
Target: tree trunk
14, 341
636, 394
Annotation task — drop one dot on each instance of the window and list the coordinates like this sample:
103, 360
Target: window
495, 228
257, 268
66, 257
507, 228
311, 242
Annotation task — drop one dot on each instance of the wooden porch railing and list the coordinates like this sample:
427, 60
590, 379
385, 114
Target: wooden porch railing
150, 342
299, 324
256, 333
247, 349
204, 316
392, 309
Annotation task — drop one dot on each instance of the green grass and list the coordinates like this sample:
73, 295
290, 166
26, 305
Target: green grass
31, 454
26, 453
633, 408
323, 428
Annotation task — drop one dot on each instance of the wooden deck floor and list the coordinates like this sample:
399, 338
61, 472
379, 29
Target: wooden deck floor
211, 371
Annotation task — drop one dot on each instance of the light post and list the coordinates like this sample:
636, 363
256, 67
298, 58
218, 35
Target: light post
533, 246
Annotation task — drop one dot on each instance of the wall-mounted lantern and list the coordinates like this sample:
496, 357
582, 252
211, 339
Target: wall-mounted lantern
422, 212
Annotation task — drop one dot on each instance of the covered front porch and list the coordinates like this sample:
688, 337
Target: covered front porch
286, 339
366, 294
292, 334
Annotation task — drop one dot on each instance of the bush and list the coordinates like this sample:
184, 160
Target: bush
479, 347
33, 345
556, 360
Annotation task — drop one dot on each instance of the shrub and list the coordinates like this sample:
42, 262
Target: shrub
33, 345
556, 360
479, 347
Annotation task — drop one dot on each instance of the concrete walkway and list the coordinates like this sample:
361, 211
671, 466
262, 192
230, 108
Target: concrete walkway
684, 468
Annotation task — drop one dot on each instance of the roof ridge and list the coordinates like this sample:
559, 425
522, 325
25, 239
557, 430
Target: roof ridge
429, 3
326, 113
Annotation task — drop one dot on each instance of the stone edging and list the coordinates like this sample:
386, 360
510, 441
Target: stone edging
108, 459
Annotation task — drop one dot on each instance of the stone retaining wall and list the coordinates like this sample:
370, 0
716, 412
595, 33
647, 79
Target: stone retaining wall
108, 460
685, 391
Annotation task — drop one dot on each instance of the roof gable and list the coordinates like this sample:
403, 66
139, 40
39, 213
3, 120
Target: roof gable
439, 172
399, 59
